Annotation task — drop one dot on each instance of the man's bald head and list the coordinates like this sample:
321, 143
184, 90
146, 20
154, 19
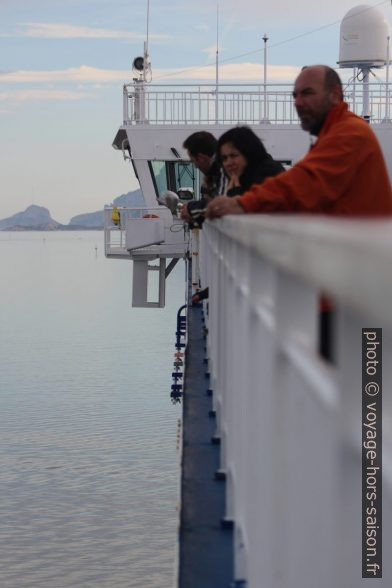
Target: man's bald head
317, 89
331, 79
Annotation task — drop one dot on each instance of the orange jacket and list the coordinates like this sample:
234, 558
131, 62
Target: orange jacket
344, 174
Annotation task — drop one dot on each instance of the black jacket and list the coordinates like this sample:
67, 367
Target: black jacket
215, 184
215, 180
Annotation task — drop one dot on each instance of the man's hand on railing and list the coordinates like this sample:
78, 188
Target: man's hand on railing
194, 213
222, 205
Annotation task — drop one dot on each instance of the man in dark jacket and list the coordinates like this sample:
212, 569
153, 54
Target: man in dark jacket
201, 148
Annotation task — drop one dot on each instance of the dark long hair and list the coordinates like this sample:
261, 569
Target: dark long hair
260, 164
247, 143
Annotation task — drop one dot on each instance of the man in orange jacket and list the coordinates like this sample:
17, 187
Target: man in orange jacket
344, 174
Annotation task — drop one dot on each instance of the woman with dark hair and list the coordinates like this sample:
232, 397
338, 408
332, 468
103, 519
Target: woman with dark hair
245, 160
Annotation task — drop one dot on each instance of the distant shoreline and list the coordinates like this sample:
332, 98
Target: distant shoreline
38, 218
48, 230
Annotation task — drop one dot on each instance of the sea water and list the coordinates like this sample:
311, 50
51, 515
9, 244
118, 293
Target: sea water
89, 465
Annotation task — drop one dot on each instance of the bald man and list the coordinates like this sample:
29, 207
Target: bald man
344, 174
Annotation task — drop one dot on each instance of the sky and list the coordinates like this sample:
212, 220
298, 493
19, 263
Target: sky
63, 64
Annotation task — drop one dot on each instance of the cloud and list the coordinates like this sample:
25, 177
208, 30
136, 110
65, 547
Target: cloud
44, 30
94, 77
83, 73
250, 72
232, 72
202, 27
265, 13
38, 95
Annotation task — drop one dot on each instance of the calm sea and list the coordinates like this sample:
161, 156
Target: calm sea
89, 466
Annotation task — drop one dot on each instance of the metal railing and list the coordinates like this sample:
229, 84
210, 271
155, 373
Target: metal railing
115, 235
231, 104
289, 422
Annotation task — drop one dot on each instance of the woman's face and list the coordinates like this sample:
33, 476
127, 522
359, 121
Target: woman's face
233, 162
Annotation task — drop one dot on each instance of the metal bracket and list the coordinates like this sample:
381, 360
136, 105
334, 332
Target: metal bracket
141, 270
171, 266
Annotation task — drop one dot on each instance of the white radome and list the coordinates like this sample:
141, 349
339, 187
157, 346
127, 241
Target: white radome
364, 35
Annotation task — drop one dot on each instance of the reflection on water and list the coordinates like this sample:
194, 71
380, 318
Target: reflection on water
89, 471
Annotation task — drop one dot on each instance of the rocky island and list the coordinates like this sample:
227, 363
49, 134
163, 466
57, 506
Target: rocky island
38, 218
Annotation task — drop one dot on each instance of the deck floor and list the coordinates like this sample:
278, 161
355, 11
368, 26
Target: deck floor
206, 548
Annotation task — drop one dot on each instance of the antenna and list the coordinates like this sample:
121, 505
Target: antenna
148, 22
265, 117
217, 64
387, 62
141, 67
217, 46
146, 61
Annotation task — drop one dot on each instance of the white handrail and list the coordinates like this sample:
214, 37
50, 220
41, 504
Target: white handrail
290, 424
250, 103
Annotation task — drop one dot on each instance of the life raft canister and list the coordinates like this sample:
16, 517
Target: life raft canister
115, 216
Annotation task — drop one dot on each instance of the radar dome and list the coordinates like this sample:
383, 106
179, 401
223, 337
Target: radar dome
363, 38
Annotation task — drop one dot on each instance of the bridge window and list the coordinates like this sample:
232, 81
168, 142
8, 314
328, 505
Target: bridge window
178, 176
159, 174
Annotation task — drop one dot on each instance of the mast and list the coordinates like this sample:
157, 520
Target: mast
365, 89
387, 81
265, 117
141, 66
217, 66
145, 53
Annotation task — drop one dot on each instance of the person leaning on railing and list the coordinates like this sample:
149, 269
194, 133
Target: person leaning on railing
245, 161
201, 147
344, 174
